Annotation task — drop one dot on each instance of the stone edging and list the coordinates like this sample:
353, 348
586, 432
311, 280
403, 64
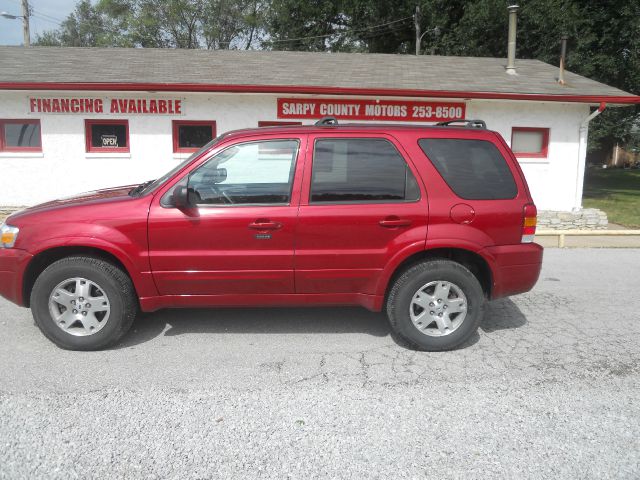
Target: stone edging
585, 219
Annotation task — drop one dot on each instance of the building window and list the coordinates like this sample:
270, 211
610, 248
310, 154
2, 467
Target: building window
189, 136
107, 135
20, 136
530, 142
277, 123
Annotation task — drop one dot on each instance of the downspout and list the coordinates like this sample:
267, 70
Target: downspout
582, 154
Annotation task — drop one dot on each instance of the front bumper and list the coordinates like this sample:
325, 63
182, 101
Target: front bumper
516, 268
13, 263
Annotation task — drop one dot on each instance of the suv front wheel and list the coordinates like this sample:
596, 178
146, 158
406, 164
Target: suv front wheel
83, 303
435, 305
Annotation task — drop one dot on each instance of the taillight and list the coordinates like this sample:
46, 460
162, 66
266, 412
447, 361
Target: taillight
529, 223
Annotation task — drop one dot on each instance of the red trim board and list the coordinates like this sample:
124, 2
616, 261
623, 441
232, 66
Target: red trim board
315, 90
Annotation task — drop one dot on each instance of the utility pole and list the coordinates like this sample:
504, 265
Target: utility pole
416, 21
25, 23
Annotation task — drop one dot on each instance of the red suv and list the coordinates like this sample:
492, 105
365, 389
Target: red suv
424, 222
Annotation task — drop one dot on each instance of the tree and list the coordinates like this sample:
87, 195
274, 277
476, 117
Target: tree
380, 27
302, 25
82, 28
232, 24
160, 24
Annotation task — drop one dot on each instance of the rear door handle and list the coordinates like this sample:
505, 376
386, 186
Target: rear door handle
262, 224
395, 222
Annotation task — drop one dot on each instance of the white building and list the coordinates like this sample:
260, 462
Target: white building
78, 119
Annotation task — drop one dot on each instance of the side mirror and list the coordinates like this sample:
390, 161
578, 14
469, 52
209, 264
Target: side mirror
180, 197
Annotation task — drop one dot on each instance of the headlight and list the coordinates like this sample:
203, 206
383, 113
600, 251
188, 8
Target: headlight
8, 236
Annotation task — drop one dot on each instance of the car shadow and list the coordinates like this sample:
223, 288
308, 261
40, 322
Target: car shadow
259, 321
502, 314
499, 315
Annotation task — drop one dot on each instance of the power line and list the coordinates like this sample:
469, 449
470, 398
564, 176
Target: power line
381, 33
40, 15
344, 32
46, 20
341, 32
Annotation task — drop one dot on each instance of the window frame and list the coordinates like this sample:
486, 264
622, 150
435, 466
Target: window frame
409, 167
89, 148
3, 142
544, 153
175, 126
278, 123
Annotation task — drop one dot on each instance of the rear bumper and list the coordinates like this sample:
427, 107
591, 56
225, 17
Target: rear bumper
516, 268
13, 262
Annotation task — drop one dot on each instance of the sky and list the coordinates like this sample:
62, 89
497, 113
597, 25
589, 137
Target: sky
47, 14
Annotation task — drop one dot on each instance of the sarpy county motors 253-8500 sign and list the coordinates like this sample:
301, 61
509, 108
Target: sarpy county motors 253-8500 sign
360, 109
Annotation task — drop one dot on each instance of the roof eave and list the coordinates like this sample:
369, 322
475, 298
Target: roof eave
319, 90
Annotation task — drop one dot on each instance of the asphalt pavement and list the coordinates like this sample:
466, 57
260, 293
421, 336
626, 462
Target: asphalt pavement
549, 388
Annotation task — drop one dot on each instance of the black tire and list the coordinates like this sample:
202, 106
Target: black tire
116, 285
404, 288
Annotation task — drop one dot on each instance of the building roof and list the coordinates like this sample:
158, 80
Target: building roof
294, 72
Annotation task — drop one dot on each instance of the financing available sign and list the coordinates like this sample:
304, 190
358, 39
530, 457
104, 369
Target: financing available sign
359, 109
136, 106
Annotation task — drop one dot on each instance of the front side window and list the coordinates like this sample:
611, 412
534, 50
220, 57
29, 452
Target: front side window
20, 136
473, 169
253, 173
107, 135
360, 170
189, 136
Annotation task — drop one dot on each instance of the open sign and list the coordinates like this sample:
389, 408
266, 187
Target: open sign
109, 140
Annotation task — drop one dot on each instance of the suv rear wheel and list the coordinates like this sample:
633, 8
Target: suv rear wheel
435, 305
83, 303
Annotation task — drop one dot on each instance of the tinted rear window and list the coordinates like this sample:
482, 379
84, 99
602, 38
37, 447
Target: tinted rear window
474, 169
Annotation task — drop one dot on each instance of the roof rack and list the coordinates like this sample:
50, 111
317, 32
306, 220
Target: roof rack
466, 123
326, 122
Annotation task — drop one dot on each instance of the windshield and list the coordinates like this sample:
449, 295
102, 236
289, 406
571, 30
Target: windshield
160, 181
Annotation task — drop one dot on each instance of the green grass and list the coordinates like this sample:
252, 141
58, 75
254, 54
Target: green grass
615, 191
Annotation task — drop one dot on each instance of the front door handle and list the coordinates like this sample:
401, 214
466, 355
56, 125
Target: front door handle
264, 224
395, 222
